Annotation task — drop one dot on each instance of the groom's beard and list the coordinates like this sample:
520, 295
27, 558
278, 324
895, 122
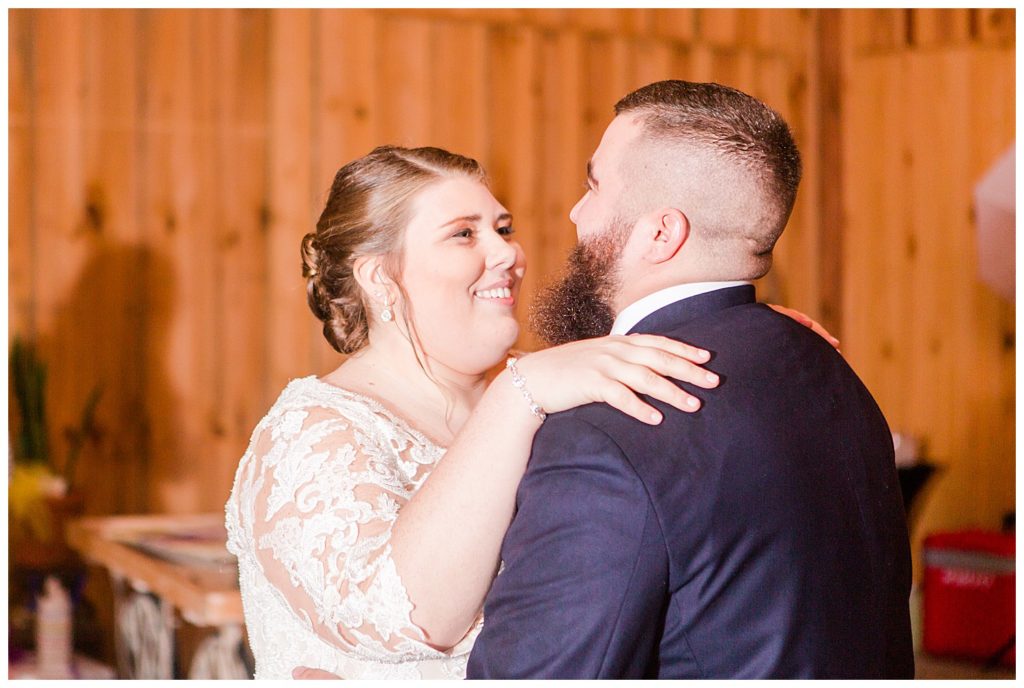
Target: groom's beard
579, 304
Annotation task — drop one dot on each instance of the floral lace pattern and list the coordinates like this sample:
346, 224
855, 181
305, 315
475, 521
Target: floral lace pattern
310, 516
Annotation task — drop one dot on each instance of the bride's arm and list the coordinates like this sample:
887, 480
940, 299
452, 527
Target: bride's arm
366, 570
446, 539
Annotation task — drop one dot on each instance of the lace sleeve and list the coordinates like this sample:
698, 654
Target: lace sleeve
322, 521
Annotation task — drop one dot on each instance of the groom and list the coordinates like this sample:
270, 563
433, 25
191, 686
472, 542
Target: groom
763, 536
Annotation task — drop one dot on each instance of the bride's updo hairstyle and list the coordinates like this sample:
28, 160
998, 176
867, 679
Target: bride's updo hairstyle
367, 211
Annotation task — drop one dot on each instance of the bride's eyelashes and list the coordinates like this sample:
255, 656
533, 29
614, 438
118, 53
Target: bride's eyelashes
468, 232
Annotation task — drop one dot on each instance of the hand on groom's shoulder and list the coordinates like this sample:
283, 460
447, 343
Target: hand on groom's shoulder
309, 674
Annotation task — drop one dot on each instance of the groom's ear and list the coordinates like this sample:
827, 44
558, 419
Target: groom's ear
665, 232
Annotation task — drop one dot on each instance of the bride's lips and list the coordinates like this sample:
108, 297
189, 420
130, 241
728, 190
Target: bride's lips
501, 292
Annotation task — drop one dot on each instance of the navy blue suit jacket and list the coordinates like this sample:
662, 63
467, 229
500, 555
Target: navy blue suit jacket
763, 536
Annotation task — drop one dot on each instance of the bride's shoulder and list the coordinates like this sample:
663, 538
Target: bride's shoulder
318, 400
310, 401
307, 413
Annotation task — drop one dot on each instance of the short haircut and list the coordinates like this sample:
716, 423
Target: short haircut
733, 130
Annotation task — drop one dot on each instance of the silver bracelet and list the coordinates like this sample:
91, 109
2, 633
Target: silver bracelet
520, 382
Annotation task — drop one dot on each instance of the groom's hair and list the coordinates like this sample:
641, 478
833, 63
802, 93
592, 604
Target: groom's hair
726, 155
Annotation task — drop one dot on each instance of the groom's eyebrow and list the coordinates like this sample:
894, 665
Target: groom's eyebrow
590, 174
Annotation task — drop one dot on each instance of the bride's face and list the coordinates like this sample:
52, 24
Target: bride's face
462, 271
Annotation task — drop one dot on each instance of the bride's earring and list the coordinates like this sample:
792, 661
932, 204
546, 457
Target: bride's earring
386, 315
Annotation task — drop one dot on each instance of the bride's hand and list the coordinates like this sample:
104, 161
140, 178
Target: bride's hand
615, 369
308, 674
806, 320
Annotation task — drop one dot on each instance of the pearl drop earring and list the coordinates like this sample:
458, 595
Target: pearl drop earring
386, 315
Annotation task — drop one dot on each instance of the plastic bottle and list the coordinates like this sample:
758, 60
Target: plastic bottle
53, 631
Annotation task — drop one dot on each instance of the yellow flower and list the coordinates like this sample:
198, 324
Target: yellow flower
28, 489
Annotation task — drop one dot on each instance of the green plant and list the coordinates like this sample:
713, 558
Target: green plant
28, 377
31, 444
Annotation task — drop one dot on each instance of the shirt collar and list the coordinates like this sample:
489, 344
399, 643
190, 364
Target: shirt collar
640, 309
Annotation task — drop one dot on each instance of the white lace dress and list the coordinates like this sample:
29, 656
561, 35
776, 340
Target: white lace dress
310, 516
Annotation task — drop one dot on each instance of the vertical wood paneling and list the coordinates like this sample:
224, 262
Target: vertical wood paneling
992, 110
941, 27
197, 254
736, 68
782, 31
104, 311
988, 444
21, 184
700, 63
674, 24
110, 125
935, 298
557, 19
348, 92
240, 133
934, 346
59, 207
606, 79
57, 58
406, 70
608, 20
561, 130
878, 29
292, 334
997, 26
347, 112
168, 196
720, 27
460, 66
652, 61
868, 339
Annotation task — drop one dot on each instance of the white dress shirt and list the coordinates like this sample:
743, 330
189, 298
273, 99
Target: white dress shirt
638, 310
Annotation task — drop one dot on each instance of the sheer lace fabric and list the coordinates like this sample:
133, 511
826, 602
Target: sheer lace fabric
310, 516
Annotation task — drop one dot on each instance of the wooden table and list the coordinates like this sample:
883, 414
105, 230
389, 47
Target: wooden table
161, 565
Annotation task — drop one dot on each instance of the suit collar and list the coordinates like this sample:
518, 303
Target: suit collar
642, 307
675, 313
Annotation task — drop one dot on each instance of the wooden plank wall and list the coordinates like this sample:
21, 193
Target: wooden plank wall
929, 106
164, 165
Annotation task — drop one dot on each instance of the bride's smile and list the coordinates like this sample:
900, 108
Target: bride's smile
462, 270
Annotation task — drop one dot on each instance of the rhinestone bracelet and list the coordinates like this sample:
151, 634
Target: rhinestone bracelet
520, 382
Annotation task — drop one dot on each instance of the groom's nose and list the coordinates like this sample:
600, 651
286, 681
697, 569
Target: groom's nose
574, 213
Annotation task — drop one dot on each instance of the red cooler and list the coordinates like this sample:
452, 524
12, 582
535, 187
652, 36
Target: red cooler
969, 595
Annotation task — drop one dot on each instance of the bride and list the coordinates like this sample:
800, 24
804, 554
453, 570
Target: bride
350, 560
